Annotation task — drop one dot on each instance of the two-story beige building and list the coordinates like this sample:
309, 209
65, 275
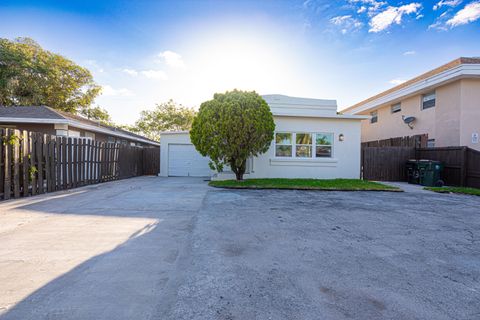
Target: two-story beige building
443, 103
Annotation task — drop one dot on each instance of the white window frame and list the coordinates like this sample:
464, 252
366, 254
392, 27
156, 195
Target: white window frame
324, 145
294, 145
301, 144
374, 114
431, 93
397, 107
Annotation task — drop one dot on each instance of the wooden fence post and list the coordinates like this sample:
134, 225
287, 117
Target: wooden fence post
463, 172
46, 145
7, 166
2, 160
25, 164
99, 162
74, 163
53, 164
39, 151
16, 163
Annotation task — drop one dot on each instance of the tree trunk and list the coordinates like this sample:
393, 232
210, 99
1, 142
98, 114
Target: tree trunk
239, 175
239, 171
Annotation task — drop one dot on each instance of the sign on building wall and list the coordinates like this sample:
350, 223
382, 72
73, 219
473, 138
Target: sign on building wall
475, 137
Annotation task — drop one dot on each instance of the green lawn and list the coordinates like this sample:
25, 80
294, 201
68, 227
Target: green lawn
471, 191
305, 184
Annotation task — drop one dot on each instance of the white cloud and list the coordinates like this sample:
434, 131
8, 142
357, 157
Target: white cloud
172, 59
362, 9
372, 6
94, 64
439, 24
122, 92
391, 15
409, 53
446, 3
396, 81
155, 74
130, 72
347, 23
470, 13
150, 74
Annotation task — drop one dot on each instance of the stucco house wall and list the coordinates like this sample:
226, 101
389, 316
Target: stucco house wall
344, 163
391, 125
166, 140
470, 112
451, 122
455, 119
447, 115
295, 116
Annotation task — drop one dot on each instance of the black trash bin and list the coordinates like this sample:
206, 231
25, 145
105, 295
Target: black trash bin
430, 173
412, 171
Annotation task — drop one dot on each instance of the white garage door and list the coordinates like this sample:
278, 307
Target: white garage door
185, 161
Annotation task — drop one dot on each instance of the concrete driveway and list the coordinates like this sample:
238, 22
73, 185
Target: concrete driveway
156, 248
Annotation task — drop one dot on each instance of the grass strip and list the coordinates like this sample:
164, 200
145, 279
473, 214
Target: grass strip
305, 184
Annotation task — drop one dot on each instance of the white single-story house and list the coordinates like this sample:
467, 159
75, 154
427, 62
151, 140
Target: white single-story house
311, 141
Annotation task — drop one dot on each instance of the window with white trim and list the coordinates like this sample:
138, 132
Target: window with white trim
428, 100
303, 145
283, 144
374, 117
431, 143
396, 107
323, 145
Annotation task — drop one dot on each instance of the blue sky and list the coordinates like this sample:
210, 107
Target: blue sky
146, 52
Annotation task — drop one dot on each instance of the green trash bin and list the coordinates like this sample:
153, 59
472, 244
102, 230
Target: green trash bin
429, 172
412, 171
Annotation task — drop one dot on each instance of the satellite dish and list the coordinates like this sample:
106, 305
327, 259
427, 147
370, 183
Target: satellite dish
409, 121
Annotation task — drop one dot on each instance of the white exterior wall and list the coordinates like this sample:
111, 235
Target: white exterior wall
166, 139
345, 162
296, 115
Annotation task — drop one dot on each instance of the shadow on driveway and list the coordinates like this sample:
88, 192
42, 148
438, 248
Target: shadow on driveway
153, 248
104, 252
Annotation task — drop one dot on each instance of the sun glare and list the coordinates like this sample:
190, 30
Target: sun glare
243, 61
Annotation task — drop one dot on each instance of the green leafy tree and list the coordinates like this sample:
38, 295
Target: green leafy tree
167, 116
30, 75
96, 113
231, 128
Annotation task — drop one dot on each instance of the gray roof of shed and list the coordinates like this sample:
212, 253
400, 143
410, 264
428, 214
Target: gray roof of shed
30, 112
44, 112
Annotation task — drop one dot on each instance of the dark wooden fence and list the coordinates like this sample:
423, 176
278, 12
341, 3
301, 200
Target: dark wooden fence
416, 141
33, 163
151, 161
385, 163
462, 164
473, 168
